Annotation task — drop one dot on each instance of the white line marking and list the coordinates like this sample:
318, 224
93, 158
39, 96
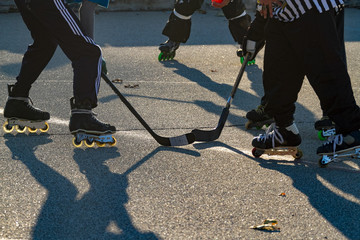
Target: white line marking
58, 121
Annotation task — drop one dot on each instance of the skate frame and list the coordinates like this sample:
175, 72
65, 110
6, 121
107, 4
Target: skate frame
211, 135
165, 141
328, 158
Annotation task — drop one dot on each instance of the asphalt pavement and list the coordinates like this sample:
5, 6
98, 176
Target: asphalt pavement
141, 190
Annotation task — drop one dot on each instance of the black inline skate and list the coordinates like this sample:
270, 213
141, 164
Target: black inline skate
168, 50
21, 114
278, 141
325, 128
87, 128
340, 147
258, 118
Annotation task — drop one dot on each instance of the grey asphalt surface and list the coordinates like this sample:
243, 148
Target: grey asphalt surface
141, 190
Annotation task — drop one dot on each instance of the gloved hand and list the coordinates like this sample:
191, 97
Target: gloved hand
103, 67
252, 47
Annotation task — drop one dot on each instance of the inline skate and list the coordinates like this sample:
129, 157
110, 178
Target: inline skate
258, 118
21, 114
325, 128
168, 50
339, 147
87, 129
278, 141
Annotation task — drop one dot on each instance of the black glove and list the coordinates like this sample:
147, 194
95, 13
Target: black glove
254, 40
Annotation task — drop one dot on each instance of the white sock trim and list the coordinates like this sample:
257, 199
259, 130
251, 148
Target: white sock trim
293, 128
181, 16
241, 15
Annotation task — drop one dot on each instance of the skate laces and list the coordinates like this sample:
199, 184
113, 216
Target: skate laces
273, 133
335, 140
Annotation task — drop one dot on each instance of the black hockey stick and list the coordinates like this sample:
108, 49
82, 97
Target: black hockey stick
173, 141
211, 135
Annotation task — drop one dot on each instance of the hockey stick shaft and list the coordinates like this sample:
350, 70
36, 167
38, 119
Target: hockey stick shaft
173, 141
207, 136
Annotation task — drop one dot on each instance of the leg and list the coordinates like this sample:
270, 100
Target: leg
64, 26
87, 17
179, 24
37, 55
329, 72
239, 20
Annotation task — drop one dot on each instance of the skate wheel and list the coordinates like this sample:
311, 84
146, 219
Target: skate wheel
100, 144
20, 129
256, 153
321, 163
161, 56
46, 128
76, 143
298, 154
32, 130
7, 128
89, 143
320, 135
113, 143
241, 60
251, 62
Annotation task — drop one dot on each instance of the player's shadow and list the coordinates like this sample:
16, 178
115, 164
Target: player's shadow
322, 187
100, 213
318, 184
241, 100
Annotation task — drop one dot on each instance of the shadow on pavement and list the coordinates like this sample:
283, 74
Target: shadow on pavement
318, 184
98, 214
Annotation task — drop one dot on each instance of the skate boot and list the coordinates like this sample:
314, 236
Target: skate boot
325, 128
168, 50
258, 118
340, 146
21, 115
87, 128
240, 54
278, 141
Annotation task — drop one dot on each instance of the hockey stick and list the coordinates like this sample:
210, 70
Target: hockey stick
211, 135
173, 141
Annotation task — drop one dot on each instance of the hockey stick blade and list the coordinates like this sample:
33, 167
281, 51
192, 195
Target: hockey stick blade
211, 135
172, 141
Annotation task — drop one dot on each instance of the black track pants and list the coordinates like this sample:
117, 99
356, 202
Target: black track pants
178, 29
52, 23
301, 48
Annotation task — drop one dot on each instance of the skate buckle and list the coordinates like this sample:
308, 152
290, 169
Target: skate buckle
328, 133
357, 153
91, 137
326, 159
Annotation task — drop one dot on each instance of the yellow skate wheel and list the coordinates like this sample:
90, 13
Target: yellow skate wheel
46, 128
113, 143
100, 144
89, 144
7, 128
20, 129
32, 130
76, 143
